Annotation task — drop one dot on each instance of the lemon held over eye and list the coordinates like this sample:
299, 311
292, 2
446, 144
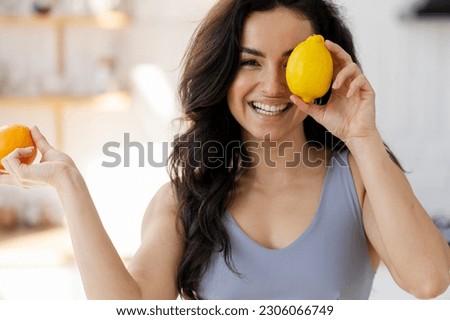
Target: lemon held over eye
309, 69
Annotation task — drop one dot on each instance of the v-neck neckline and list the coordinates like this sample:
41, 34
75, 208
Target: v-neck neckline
303, 234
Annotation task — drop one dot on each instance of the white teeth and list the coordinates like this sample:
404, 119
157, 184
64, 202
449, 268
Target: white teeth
269, 110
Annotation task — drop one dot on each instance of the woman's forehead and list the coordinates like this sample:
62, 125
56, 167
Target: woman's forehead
280, 27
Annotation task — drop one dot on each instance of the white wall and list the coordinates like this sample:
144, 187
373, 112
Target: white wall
407, 62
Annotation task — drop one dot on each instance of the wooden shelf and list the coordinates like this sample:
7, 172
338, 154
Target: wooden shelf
112, 98
108, 20
111, 101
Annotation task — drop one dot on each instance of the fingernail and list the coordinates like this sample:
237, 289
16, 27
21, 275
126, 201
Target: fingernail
27, 150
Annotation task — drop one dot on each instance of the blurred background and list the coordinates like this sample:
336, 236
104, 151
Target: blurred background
90, 73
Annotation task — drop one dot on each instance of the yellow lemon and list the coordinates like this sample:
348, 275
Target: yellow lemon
309, 69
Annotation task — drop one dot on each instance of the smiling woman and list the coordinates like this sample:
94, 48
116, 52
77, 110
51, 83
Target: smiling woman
279, 207
229, 227
259, 96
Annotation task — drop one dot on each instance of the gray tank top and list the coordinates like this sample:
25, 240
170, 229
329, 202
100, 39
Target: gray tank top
328, 261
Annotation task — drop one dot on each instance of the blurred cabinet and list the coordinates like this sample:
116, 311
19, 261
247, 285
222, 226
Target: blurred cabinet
112, 20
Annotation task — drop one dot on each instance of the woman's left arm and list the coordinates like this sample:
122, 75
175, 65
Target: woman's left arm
396, 224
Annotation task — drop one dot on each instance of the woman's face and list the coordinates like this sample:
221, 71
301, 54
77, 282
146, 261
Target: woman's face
259, 97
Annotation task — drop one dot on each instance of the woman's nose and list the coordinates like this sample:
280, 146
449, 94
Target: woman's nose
274, 82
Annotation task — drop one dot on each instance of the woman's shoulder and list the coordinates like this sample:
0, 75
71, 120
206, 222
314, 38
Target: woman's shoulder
166, 195
162, 206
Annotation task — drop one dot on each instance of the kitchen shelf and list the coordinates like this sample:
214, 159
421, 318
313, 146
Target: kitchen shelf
65, 99
110, 100
112, 20
108, 20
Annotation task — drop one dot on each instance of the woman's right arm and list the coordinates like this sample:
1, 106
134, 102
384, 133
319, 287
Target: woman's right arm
152, 272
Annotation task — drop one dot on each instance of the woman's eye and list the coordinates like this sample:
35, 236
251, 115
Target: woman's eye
249, 62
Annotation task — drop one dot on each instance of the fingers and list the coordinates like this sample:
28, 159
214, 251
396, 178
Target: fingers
357, 84
350, 75
353, 79
19, 174
347, 69
310, 109
11, 163
349, 72
340, 55
40, 141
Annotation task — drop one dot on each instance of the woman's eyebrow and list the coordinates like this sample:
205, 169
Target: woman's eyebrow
253, 52
261, 54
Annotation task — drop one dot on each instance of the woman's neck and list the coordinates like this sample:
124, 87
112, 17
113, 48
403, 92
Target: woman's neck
275, 161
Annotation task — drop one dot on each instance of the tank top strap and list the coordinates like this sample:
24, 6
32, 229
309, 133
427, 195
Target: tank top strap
341, 182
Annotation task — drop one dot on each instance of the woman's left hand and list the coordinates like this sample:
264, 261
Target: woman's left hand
350, 111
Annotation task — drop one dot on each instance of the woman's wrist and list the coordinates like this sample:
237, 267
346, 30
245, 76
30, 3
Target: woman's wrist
68, 178
369, 144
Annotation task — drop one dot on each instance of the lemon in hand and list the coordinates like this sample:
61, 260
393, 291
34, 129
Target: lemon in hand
16, 136
309, 69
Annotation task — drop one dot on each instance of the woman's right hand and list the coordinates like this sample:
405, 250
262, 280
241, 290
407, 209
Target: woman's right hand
53, 165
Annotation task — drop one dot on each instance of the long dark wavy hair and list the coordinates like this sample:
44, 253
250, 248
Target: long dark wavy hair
204, 184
